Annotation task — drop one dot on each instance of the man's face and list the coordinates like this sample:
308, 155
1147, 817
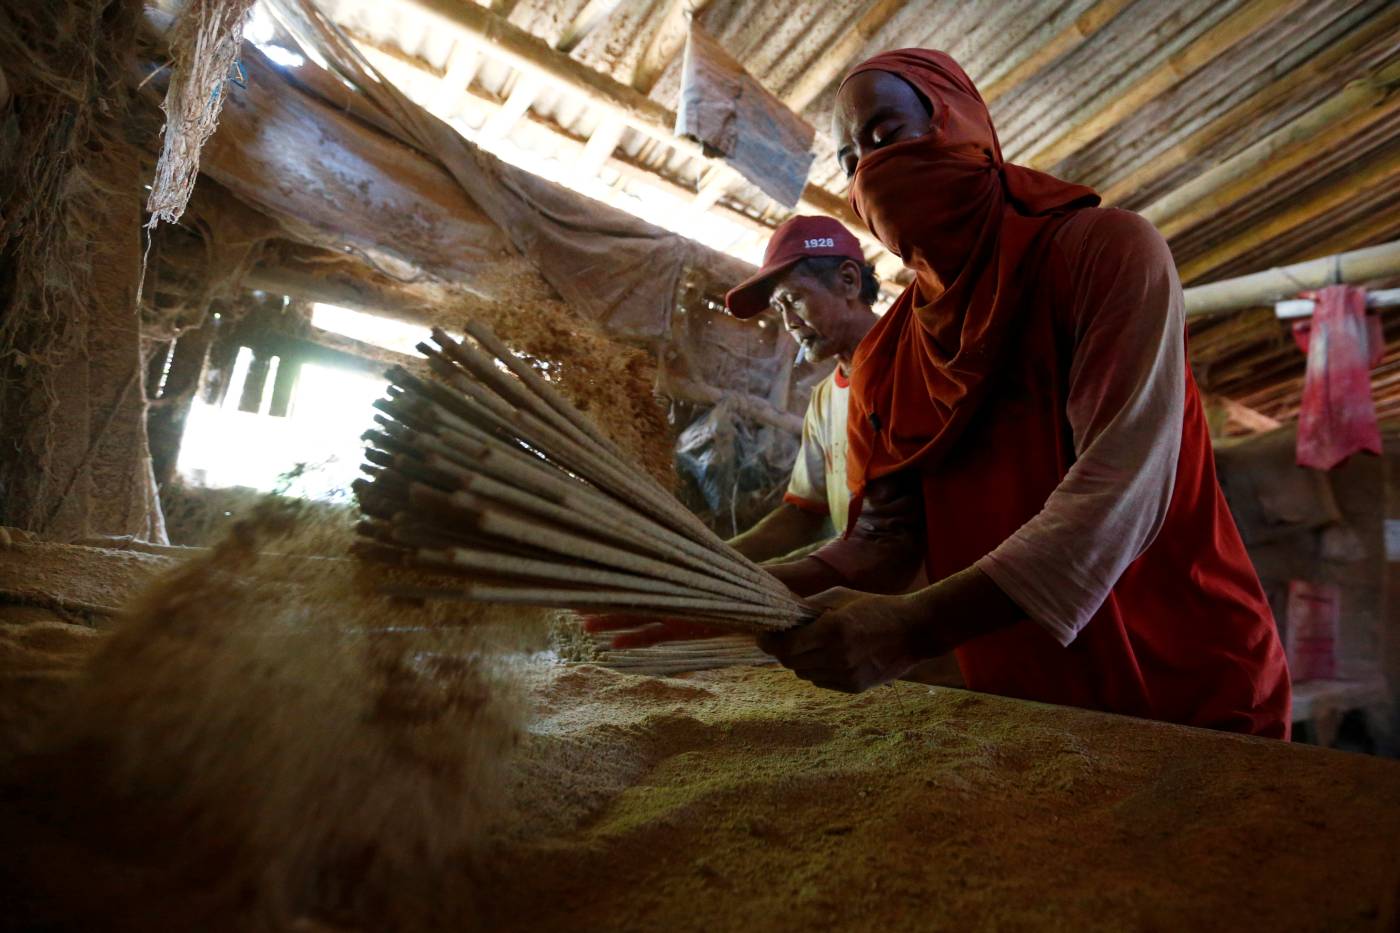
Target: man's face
813, 311
873, 110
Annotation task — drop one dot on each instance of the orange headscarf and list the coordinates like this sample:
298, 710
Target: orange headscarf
970, 226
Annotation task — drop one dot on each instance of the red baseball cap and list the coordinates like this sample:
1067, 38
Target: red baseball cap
796, 239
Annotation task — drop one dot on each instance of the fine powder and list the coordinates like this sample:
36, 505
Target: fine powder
239, 752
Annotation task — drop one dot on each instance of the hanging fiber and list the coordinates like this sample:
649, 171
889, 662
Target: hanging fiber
203, 48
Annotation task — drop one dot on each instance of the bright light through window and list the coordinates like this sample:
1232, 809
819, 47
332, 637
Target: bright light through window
314, 452
260, 30
371, 328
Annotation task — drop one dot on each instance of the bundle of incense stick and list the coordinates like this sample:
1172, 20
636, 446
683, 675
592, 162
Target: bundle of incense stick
679, 657
484, 474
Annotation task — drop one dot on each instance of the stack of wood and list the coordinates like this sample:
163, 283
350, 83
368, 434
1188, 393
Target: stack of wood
486, 477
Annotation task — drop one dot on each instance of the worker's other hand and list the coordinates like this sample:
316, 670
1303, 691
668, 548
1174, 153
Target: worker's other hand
859, 642
635, 631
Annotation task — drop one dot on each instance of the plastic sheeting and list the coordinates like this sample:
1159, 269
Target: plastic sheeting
734, 471
1338, 416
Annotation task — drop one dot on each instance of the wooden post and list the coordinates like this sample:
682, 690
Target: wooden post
223, 353
255, 385
165, 421
284, 386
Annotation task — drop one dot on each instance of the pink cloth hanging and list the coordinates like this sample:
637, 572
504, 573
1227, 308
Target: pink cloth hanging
1338, 416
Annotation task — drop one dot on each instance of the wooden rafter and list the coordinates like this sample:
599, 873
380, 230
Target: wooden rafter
1264, 288
593, 15
399, 66
665, 43
1360, 184
838, 55
528, 53
1090, 123
1251, 110
1357, 107
1083, 28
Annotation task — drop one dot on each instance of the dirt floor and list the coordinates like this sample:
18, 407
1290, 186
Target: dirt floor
744, 799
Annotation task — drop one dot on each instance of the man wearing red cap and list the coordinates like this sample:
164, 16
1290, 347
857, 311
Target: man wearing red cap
817, 280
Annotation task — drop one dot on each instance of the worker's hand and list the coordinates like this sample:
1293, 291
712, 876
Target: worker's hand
859, 642
804, 576
640, 631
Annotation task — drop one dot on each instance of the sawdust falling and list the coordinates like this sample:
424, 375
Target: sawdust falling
613, 383
277, 739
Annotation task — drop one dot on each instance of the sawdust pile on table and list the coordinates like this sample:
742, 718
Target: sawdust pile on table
746, 799
260, 735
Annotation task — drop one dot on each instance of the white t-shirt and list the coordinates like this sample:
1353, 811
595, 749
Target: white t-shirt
818, 481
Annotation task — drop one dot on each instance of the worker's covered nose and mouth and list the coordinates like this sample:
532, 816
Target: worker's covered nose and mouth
926, 169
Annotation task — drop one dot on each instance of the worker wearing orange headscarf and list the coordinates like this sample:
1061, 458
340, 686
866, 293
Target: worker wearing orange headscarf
1027, 401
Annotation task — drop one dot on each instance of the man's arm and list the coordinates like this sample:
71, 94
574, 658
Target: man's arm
780, 532
883, 553
1127, 395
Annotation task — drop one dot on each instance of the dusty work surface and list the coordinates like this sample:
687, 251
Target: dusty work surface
87, 582
744, 799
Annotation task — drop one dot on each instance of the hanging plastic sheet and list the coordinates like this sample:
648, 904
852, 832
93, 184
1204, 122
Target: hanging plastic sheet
736, 468
1338, 416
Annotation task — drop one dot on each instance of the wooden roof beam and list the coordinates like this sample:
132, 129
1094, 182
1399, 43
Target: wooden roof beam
666, 43
593, 15
1358, 106
390, 60
1081, 30
838, 55
518, 103
1132, 94
601, 145
1353, 186
1250, 110
528, 86
362, 192
462, 65
1264, 288
532, 55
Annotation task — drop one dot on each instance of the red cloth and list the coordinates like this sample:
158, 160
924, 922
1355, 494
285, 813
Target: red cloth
1314, 621
1186, 634
1338, 417
966, 222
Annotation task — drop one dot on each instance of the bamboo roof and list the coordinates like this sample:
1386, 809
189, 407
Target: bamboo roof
1254, 133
